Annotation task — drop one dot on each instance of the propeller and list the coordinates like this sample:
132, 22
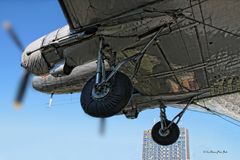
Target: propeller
22, 88
102, 128
26, 75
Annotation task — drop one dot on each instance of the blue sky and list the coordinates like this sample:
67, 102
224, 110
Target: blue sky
64, 132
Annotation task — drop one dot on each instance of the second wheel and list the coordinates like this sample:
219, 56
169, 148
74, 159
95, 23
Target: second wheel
167, 137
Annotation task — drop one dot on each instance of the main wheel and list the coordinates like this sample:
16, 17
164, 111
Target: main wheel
110, 99
168, 137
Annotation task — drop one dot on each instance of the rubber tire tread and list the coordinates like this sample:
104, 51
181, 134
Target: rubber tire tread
111, 104
171, 138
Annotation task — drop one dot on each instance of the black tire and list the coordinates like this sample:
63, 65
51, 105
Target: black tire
117, 98
168, 139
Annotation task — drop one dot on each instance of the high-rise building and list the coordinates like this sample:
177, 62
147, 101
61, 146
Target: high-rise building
177, 151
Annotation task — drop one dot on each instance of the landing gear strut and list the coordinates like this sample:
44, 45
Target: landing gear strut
103, 96
108, 92
166, 132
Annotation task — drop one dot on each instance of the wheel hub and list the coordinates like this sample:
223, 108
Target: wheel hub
164, 133
101, 91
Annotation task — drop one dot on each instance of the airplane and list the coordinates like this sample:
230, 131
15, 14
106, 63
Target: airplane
131, 55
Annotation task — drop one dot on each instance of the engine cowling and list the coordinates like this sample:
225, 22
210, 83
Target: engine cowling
32, 59
42, 54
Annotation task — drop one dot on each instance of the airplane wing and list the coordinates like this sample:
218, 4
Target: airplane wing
188, 55
197, 52
80, 14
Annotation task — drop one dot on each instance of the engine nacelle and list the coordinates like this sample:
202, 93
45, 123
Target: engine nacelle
41, 55
46, 53
73, 82
32, 59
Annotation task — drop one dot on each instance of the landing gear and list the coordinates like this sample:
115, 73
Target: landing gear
165, 136
108, 99
107, 93
104, 96
167, 132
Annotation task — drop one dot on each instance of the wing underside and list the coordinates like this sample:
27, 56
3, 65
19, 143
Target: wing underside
91, 12
197, 50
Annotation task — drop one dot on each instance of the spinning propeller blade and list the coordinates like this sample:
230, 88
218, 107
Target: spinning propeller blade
102, 126
26, 75
22, 89
9, 29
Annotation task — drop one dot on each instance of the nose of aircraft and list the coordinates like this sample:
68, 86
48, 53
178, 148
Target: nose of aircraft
25, 60
32, 59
